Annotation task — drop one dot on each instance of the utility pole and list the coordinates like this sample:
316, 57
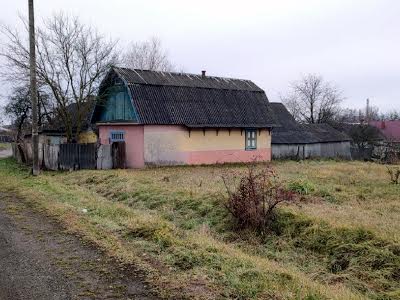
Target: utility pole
32, 62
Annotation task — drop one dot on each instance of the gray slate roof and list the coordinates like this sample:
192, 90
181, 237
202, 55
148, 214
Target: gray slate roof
195, 101
147, 77
292, 132
57, 125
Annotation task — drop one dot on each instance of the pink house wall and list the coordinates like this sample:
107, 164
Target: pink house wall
228, 156
168, 145
390, 129
171, 144
133, 139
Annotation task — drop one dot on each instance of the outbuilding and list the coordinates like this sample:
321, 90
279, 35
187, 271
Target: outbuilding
302, 141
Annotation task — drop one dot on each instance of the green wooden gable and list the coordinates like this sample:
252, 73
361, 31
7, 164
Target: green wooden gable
117, 106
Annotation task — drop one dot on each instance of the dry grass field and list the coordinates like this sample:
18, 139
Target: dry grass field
341, 240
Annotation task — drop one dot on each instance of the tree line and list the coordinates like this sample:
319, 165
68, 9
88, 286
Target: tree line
314, 100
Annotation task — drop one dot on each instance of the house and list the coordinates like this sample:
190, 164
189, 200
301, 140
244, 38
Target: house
54, 132
6, 135
168, 118
389, 129
389, 148
295, 140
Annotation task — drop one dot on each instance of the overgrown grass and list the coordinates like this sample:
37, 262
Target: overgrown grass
172, 223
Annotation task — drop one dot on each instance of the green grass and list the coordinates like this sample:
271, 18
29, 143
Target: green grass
172, 223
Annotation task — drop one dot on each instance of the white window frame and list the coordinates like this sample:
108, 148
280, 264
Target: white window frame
251, 139
117, 136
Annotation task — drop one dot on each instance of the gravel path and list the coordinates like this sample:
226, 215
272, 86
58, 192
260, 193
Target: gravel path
38, 260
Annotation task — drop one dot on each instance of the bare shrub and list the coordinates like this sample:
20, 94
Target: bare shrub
253, 200
394, 173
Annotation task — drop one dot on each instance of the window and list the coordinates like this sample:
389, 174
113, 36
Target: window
251, 139
117, 136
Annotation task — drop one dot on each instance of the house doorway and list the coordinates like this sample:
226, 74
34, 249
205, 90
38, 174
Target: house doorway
118, 155
118, 149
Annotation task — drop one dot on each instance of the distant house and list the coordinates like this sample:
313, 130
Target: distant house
389, 148
54, 132
6, 135
295, 140
390, 130
177, 118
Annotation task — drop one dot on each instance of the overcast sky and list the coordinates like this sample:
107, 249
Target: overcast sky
353, 44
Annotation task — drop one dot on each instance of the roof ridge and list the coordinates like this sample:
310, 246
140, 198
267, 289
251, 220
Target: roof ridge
199, 76
197, 87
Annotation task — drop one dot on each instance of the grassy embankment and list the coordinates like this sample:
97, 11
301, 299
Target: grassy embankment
340, 242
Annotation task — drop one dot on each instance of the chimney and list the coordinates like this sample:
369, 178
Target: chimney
203, 73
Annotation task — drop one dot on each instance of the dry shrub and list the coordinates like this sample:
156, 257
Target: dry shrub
253, 200
394, 173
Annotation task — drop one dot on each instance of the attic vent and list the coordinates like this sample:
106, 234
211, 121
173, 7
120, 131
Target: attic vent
119, 81
117, 136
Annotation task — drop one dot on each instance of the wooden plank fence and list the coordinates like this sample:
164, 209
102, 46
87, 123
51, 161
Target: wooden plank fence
87, 156
77, 156
67, 156
6, 139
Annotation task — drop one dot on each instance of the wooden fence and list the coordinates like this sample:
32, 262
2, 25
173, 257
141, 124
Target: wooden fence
67, 156
5, 139
77, 156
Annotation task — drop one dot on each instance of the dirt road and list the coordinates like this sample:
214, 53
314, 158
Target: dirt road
38, 260
5, 153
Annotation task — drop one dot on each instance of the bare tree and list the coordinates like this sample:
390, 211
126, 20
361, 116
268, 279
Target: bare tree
364, 136
312, 100
349, 116
372, 114
392, 115
72, 58
147, 55
355, 116
19, 109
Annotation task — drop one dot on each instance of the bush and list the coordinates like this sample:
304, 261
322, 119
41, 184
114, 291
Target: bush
394, 173
252, 203
301, 187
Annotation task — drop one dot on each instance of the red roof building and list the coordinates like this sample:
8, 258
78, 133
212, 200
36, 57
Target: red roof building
390, 129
